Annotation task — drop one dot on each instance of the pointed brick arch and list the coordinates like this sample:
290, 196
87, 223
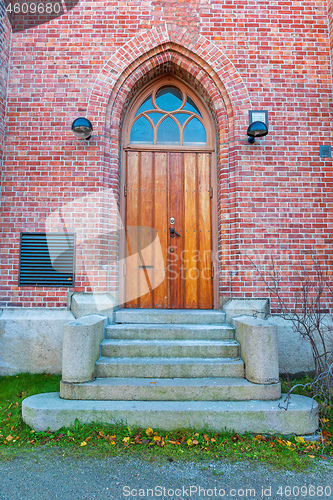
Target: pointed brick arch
204, 67
140, 55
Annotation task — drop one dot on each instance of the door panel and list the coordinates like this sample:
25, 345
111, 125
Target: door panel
191, 242
175, 279
165, 271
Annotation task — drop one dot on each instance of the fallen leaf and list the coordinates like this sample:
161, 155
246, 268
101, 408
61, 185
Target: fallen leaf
326, 435
126, 441
149, 431
300, 440
195, 442
280, 441
9, 438
189, 442
83, 443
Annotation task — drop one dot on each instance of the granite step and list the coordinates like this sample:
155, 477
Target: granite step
170, 348
175, 389
49, 411
176, 367
171, 316
168, 332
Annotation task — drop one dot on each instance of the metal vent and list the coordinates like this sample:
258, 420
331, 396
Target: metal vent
47, 259
325, 151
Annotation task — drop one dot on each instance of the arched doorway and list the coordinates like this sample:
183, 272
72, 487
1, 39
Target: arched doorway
168, 202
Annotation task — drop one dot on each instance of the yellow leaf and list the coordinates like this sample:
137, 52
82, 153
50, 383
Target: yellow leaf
300, 440
196, 435
189, 442
83, 443
9, 438
113, 443
311, 456
324, 420
149, 431
213, 440
157, 438
126, 441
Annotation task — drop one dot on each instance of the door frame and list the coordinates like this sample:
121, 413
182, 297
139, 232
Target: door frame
210, 148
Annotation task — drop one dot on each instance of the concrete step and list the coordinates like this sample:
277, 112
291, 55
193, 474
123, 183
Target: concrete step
169, 332
165, 389
170, 348
171, 316
169, 367
47, 410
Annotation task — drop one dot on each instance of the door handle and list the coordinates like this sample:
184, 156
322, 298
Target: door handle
173, 232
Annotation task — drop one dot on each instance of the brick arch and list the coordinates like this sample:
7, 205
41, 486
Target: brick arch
188, 55
139, 55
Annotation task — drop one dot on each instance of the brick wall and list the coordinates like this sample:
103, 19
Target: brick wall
5, 35
275, 195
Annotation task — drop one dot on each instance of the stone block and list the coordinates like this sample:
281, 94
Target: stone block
258, 308
259, 349
81, 348
83, 304
31, 339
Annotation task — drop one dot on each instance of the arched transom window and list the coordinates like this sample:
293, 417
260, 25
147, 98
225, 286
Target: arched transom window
169, 117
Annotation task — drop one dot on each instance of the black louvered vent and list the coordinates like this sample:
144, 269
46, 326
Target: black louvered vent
47, 259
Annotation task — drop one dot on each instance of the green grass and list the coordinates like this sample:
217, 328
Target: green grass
150, 444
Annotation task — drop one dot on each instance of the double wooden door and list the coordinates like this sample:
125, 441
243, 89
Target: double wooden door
168, 230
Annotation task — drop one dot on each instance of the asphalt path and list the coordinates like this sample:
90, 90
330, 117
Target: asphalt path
48, 474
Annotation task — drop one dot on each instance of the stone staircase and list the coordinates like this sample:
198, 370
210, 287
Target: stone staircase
170, 355
171, 369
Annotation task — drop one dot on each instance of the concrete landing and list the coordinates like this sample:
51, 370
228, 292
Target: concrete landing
44, 411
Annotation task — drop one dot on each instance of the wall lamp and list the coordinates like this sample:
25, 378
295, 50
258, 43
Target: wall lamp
256, 129
82, 128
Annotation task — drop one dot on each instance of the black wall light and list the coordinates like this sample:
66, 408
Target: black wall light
82, 128
256, 129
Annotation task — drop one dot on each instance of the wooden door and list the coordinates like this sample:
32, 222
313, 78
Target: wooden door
168, 230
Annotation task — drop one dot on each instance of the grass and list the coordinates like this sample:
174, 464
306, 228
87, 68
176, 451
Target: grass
91, 440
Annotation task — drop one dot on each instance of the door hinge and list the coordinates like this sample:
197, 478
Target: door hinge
212, 270
124, 270
211, 192
125, 190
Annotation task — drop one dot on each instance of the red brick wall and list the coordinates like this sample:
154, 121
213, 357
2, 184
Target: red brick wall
5, 35
275, 195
